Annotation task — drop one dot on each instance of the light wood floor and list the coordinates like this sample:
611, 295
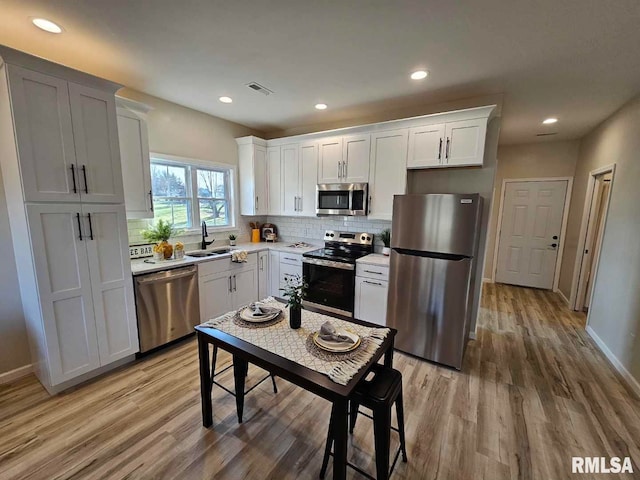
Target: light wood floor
534, 391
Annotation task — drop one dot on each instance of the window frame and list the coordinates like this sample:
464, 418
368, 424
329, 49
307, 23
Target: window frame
192, 165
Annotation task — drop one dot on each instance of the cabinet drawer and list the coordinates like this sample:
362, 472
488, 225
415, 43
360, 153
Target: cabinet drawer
372, 271
218, 265
291, 259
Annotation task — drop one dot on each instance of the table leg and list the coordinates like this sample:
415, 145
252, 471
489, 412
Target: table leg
240, 369
205, 381
340, 439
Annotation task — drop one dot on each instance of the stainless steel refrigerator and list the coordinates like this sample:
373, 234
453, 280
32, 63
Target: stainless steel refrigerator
434, 242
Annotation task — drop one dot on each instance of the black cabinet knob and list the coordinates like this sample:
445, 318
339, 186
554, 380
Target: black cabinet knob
555, 237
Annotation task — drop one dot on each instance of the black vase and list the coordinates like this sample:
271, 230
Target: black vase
295, 317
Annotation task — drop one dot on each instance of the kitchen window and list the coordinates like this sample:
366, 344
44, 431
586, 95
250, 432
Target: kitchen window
187, 193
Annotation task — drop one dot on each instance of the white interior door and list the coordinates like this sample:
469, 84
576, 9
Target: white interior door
530, 232
111, 281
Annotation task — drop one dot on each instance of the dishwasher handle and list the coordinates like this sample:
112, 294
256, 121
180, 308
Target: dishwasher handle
167, 275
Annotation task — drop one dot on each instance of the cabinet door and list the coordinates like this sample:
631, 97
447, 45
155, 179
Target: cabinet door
371, 301
330, 160
308, 179
274, 274
111, 282
216, 296
289, 272
44, 134
274, 181
290, 180
260, 179
355, 157
136, 168
245, 287
465, 142
64, 287
263, 275
95, 134
426, 146
388, 172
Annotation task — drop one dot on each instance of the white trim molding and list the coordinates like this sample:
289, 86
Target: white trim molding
562, 296
563, 230
629, 379
15, 374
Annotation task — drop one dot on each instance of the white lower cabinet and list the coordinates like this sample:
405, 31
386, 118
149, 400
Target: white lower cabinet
225, 286
290, 269
371, 289
263, 274
85, 286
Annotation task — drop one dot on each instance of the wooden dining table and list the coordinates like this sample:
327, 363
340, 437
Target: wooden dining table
244, 352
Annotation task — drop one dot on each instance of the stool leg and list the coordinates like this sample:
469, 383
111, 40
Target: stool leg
327, 448
353, 415
273, 380
400, 415
382, 436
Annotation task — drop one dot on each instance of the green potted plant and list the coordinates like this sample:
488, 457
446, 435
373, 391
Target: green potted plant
159, 234
232, 239
295, 291
385, 236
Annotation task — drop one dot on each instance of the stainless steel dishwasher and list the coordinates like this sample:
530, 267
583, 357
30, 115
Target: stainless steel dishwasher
167, 305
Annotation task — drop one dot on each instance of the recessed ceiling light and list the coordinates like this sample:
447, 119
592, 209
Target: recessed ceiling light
46, 25
549, 121
321, 106
226, 99
419, 74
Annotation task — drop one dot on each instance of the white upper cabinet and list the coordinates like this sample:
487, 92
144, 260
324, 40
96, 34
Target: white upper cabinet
344, 159
42, 117
252, 160
465, 142
290, 179
388, 173
134, 155
274, 181
330, 160
95, 134
426, 146
308, 155
355, 159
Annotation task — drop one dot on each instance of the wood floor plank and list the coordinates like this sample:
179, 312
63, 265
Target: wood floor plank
534, 390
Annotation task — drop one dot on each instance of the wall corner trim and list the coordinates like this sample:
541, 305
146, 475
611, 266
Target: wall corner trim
15, 374
629, 379
562, 296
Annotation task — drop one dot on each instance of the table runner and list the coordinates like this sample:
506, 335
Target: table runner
286, 342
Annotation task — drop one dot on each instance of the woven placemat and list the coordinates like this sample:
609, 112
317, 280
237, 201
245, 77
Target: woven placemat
318, 352
238, 320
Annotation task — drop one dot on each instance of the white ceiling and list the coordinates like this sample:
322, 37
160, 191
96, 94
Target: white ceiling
574, 59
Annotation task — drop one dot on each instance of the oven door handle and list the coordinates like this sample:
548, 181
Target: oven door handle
329, 263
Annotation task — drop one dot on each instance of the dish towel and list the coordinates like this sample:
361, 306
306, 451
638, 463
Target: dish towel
239, 256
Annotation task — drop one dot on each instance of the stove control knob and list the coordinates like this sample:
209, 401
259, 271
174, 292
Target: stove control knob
368, 239
331, 235
363, 237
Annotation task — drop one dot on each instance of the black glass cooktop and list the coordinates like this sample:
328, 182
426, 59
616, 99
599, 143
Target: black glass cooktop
338, 254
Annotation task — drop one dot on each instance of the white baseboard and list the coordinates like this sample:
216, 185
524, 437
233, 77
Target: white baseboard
564, 299
472, 335
14, 374
487, 280
632, 382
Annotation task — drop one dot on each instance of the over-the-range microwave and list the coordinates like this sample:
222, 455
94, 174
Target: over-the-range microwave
344, 199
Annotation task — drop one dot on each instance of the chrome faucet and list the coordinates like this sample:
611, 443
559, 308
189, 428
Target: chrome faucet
204, 243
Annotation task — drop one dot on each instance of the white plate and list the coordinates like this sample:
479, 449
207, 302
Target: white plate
247, 315
337, 346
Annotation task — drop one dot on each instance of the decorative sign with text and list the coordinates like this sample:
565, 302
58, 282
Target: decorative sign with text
139, 251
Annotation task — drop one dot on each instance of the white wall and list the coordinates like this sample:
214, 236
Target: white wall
534, 160
614, 314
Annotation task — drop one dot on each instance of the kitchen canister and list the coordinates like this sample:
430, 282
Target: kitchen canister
255, 235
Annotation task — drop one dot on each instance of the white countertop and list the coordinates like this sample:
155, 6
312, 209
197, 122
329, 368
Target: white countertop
139, 266
374, 259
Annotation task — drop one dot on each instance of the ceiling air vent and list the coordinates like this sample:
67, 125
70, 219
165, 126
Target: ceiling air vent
546, 134
259, 88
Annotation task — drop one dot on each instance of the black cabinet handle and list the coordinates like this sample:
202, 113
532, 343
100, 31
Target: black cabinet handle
370, 271
151, 199
79, 226
86, 185
73, 176
90, 227
555, 237
372, 283
446, 154
440, 149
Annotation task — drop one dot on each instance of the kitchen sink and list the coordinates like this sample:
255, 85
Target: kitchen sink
204, 253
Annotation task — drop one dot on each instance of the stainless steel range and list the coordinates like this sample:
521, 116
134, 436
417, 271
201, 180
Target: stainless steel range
330, 272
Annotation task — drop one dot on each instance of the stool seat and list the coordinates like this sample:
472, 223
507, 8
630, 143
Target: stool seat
381, 388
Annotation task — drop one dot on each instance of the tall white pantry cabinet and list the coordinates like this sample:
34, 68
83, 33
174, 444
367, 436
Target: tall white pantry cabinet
60, 160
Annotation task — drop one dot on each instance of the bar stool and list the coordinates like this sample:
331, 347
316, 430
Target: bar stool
377, 394
214, 374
